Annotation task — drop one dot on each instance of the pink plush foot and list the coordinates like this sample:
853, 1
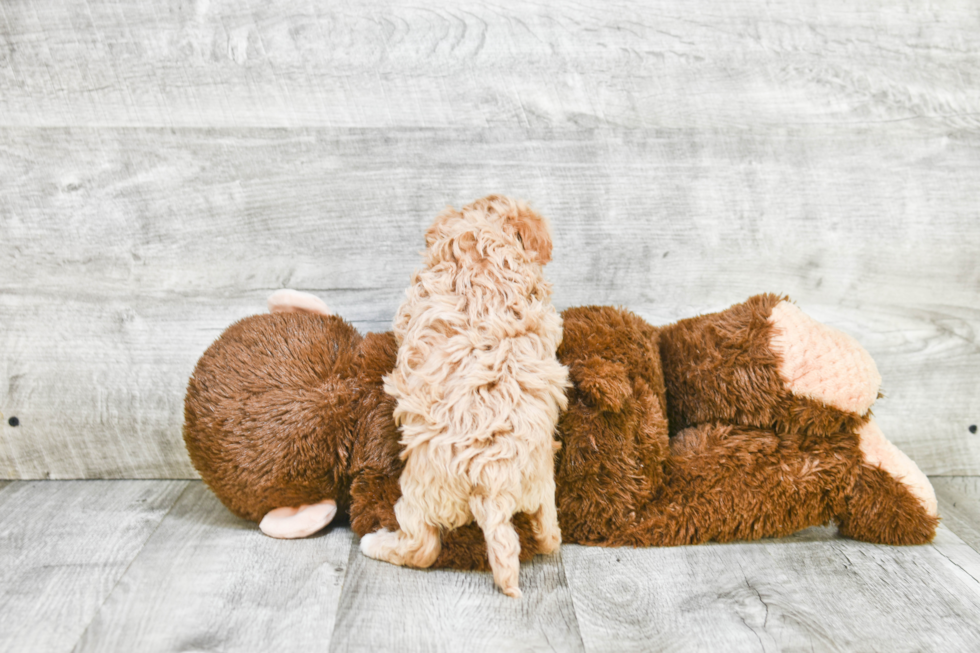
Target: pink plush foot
823, 363
879, 452
293, 523
294, 301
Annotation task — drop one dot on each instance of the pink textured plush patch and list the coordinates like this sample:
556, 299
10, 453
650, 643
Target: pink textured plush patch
879, 452
823, 363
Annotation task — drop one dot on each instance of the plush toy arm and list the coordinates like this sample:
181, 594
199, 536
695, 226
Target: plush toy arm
606, 383
765, 363
373, 496
614, 432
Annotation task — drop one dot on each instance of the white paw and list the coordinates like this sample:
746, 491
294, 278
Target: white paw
373, 545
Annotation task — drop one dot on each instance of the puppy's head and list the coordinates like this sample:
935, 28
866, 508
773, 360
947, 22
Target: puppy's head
489, 228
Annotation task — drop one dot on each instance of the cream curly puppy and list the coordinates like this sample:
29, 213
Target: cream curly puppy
478, 389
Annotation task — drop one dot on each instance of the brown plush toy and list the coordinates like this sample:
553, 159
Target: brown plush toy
752, 422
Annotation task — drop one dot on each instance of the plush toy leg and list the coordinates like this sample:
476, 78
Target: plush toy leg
892, 501
292, 523
294, 301
729, 483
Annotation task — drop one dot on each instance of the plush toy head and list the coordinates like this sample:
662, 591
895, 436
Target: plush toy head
270, 412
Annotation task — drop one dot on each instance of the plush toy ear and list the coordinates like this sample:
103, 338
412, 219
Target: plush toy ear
294, 301
533, 232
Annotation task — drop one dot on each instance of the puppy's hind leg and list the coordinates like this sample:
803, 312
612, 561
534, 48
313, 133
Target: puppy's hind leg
544, 523
415, 544
493, 514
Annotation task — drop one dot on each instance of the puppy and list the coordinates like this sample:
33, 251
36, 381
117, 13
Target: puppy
478, 389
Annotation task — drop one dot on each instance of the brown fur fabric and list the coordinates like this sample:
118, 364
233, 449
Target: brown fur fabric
288, 409
719, 368
880, 510
614, 432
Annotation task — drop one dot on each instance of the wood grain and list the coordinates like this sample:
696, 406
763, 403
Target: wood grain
959, 506
962, 560
126, 252
814, 592
389, 608
162, 566
207, 580
63, 548
430, 64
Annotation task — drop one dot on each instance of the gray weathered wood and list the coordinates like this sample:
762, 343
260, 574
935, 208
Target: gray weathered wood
165, 166
128, 252
959, 506
63, 548
429, 64
962, 559
389, 608
207, 580
162, 566
812, 592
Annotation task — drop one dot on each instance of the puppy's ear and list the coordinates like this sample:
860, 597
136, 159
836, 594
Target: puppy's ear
533, 232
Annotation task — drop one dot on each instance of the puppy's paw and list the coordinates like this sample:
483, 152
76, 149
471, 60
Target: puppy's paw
377, 544
549, 544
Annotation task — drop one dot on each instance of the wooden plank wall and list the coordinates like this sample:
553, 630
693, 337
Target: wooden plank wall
165, 166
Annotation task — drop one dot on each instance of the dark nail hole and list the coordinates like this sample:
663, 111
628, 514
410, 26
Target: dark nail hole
13, 421
973, 428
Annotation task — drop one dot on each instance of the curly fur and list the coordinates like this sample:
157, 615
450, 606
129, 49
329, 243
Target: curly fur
478, 388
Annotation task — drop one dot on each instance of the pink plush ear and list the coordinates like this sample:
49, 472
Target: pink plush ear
294, 523
294, 301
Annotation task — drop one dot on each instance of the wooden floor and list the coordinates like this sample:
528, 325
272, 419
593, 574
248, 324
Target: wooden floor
162, 566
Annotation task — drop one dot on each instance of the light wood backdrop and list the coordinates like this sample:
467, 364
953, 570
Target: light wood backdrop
165, 166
